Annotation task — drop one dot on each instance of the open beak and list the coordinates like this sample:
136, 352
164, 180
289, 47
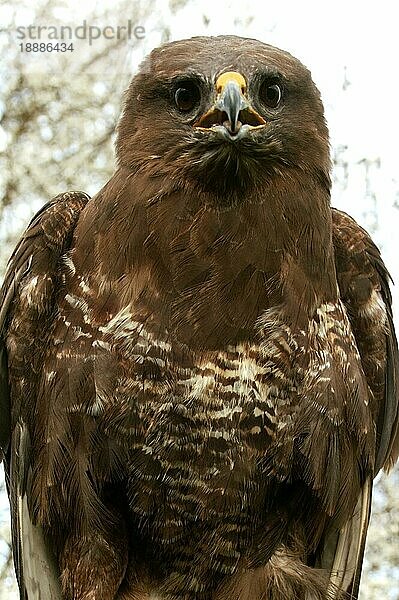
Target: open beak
232, 109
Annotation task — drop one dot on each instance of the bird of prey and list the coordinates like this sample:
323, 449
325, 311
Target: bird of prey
199, 370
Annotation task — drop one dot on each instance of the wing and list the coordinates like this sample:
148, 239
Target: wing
364, 287
35, 261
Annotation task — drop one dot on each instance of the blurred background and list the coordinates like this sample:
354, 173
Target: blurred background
58, 112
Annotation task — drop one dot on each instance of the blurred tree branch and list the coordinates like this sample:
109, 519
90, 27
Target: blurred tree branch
58, 110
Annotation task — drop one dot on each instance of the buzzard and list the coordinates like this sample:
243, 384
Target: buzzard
198, 365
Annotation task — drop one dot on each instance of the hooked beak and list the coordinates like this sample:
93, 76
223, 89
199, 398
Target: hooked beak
232, 109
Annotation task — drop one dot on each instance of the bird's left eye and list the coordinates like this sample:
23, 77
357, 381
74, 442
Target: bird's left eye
270, 94
187, 97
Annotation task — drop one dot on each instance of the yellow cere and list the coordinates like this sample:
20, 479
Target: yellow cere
230, 76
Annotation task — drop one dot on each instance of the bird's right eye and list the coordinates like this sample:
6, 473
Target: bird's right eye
187, 97
270, 93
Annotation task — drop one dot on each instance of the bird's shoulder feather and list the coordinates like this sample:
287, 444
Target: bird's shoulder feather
27, 298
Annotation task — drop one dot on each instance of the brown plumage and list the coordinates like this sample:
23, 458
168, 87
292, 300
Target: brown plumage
198, 365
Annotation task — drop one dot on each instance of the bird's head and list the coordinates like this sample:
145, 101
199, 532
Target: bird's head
226, 114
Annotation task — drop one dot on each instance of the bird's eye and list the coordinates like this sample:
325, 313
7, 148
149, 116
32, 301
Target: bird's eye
187, 97
270, 94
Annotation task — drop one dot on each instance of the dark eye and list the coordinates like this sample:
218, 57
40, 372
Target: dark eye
270, 94
187, 96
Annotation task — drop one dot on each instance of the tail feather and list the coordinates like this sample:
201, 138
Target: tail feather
348, 557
